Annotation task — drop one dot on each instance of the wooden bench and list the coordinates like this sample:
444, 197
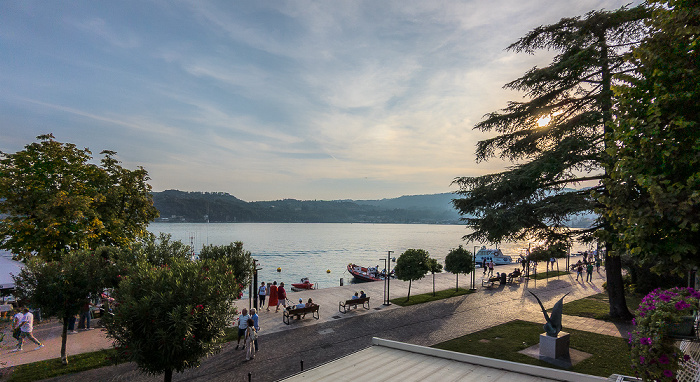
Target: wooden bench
299, 312
343, 307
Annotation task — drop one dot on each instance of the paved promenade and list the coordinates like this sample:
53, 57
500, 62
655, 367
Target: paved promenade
283, 347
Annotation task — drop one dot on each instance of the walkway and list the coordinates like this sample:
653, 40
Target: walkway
336, 334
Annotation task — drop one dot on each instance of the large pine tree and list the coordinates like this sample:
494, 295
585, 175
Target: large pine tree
556, 140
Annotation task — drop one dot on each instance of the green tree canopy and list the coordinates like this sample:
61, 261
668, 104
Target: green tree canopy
654, 199
60, 288
239, 259
556, 138
413, 264
56, 200
168, 317
459, 260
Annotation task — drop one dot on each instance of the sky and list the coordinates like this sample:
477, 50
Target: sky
268, 100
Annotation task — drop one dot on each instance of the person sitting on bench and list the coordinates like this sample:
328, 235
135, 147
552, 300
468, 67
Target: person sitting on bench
516, 273
362, 294
300, 305
309, 303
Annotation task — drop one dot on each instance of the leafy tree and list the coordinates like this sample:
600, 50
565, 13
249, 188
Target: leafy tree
239, 259
56, 200
435, 267
654, 202
168, 317
556, 138
413, 264
459, 260
60, 287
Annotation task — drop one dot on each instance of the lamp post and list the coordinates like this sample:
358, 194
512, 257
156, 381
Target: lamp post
474, 271
387, 277
384, 295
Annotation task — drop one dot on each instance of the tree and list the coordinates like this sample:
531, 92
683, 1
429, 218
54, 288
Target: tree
60, 287
168, 317
654, 202
435, 267
459, 260
413, 264
556, 138
239, 259
57, 201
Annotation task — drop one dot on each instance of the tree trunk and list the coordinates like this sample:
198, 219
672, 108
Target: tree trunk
64, 339
433, 284
457, 283
613, 264
409, 290
168, 376
616, 287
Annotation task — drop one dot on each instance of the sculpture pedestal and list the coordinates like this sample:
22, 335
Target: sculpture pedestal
554, 347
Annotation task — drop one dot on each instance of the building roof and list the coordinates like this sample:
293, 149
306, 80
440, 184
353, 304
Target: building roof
389, 360
8, 267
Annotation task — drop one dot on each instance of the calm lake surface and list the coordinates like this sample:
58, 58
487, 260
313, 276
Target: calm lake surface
310, 249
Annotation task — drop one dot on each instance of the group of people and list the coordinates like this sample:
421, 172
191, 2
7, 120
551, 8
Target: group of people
277, 296
488, 265
22, 327
248, 328
588, 265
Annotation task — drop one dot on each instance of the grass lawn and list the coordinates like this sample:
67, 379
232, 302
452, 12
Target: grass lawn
53, 367
597, 306
427, 297
610, 355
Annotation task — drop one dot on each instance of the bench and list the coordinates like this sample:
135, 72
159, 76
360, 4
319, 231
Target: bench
501, 279
299, 312
343, 307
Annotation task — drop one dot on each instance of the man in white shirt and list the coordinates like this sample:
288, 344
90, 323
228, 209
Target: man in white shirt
27, 326
242, 326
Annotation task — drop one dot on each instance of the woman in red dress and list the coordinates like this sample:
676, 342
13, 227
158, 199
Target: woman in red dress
273, 295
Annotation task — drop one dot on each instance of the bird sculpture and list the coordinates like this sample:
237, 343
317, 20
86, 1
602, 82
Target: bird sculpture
553, 325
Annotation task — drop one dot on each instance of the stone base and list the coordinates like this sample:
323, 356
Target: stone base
574, 358
554, 347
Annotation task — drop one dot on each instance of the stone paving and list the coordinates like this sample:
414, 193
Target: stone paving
314, 342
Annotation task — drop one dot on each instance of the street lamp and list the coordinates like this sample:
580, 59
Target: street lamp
474, 272
387, 277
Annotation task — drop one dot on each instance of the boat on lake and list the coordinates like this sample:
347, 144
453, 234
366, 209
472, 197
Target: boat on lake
492, 254
367, 274
305, 284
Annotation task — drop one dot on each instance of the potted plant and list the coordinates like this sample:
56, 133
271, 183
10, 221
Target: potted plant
662, 317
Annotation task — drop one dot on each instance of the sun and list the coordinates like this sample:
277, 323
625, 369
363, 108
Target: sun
544, 120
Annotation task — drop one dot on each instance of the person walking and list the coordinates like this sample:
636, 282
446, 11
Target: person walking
589, 272
281, 297
491, 264
483, 264
16, 331
84, 322
579, 270
27, 327
256, 325
273, 296
242, 326
250, 337
262, 292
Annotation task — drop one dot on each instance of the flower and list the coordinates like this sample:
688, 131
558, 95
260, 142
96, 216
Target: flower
654, 354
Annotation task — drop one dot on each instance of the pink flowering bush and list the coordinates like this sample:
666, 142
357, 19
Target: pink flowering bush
654, 355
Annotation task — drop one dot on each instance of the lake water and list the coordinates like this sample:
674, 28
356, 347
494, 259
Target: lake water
311, 249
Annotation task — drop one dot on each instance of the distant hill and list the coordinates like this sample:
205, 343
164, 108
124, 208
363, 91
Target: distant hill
179, 206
